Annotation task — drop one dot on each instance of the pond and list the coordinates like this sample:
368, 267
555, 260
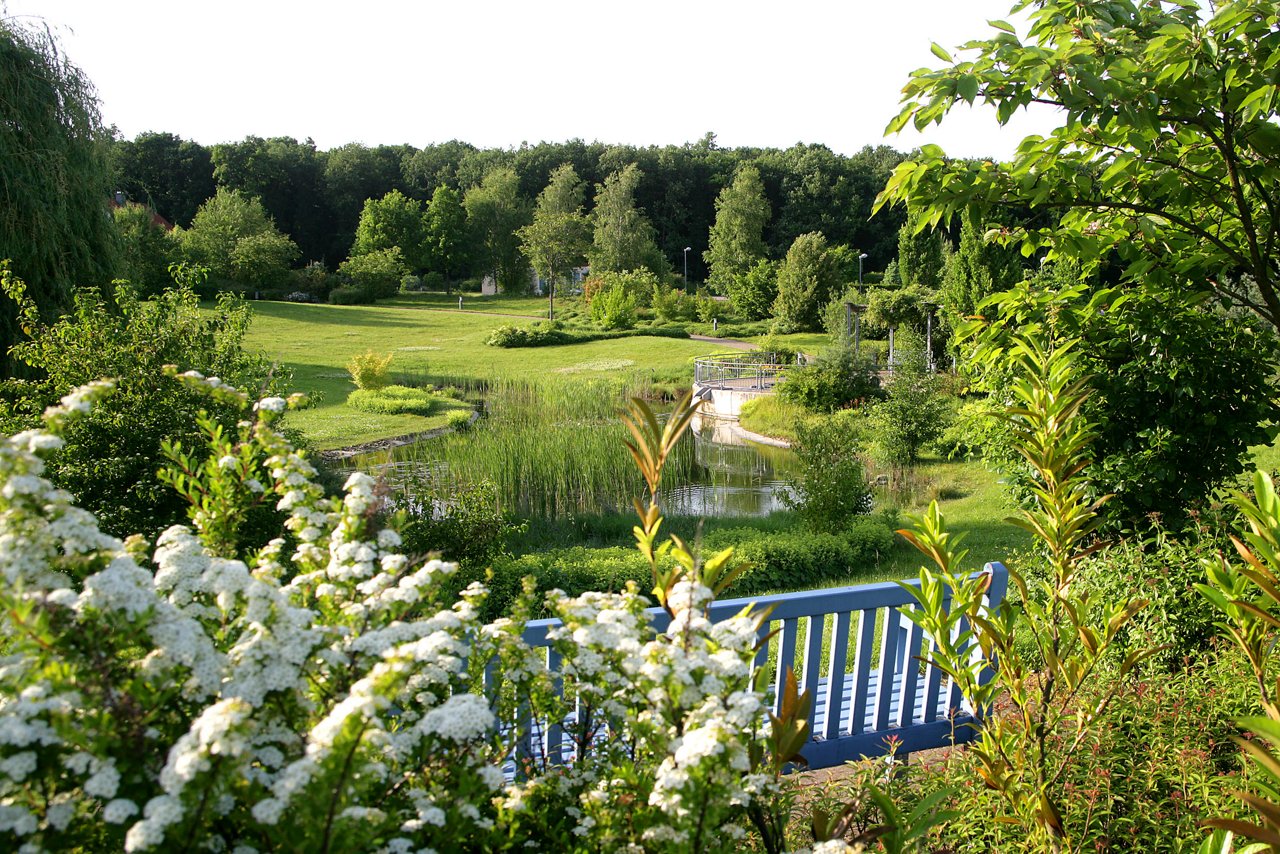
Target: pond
577, 466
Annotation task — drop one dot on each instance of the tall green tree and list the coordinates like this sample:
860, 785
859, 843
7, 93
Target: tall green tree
623, 237
495, 212
288, 176
352, 174
446, 231
736, 239
558, 237
54, 176
1168, 156
395, 220
977, 269
920, 254
171, 174
807, 281
237, 241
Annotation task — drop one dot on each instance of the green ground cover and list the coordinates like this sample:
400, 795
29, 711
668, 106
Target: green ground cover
429, 346
525, 306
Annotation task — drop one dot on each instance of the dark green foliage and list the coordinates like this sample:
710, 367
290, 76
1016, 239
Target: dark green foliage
495, 212
236, 239
1183, 391
346, 295
1164, 570
1157, 763
171, 175
111, 457
394, 400
461, 522
623, 236
781, 561
832, 381
54, 176
146, 249
832, 485
446, 228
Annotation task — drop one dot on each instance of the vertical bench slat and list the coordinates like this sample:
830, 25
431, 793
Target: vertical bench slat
955, 698
835, 676
814, 628
786, 659
888, 662
862, 670
932, 677
553, 730
910, 673
762, 654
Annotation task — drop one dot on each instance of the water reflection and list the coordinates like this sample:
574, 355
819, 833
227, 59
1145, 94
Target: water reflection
730, 478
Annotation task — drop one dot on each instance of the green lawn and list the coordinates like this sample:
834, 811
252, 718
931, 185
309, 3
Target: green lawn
429, 346
525, 306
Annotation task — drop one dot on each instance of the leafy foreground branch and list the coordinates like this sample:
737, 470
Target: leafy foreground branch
318, 695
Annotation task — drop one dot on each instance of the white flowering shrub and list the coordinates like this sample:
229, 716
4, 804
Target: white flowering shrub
314, 694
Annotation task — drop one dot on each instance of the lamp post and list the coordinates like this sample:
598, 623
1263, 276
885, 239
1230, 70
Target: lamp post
686, 268
860, 257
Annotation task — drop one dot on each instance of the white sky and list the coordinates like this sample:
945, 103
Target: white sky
500, 72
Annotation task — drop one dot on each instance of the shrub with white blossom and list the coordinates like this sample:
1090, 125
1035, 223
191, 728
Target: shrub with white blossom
314, 694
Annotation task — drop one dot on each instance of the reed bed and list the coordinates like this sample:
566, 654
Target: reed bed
554, 448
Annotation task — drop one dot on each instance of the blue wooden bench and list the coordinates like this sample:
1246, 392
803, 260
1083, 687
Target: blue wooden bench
872, 685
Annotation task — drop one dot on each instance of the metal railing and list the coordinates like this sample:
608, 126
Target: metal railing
737, 370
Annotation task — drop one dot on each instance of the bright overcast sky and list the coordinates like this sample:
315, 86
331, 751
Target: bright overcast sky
503, 72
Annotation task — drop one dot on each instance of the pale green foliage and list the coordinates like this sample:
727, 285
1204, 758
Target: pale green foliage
370, 370
1168, 155
807, 281
214, 238
736, 241
1069, 634
495, 213
614, 308
558, 237
394, 221
623, 237
377, 273
755, 291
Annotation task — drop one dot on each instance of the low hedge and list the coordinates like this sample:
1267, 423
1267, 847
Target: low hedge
545, 333
788, 561
394, 400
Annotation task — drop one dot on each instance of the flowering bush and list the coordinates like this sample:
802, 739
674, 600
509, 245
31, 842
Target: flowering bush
318, 695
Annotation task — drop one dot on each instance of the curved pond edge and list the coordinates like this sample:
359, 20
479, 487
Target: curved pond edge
389, 443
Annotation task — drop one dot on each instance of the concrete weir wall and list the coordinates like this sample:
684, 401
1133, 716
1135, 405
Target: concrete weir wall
725, 403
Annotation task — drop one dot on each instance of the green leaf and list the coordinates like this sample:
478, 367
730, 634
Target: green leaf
940, 53
1004, 26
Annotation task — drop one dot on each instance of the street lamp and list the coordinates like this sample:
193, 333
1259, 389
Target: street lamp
860, 257
686, 268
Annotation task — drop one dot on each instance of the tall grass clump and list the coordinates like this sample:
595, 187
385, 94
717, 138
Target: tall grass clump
552, 448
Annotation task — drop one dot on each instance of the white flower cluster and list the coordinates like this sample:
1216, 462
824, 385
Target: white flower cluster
336, 672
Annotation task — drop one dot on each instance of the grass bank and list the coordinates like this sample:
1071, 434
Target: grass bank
431, 344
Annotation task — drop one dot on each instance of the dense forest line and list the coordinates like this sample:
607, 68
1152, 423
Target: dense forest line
316, 196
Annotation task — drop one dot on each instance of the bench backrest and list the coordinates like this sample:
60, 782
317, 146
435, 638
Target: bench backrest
862, 660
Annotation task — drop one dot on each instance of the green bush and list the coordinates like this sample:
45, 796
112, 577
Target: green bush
461, 522
614, 308
346, 295
458, 419
671, 305
915, 410
542, 334
377, 273
111, 457
394, 400
832, 487
834, 380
